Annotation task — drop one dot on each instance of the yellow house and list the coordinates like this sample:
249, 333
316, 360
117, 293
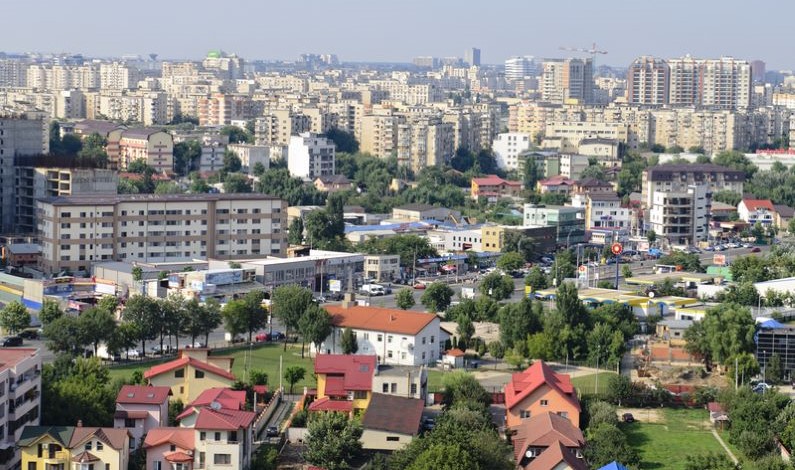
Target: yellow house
192, 373
344, 382
70, 447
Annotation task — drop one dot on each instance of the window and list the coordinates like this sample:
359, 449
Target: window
360, 395
389, 354
394, 387
380, 337
423, 340
544, 402
392, 438
100, 445
179, 373
432, 339
157, 465
413, 389
563, 414
389, 339
232, 436
384, 389
201, 459
202, 436
129, 423
181, 389
218, 436
32, 465
88, 445
222, 459
107, 466
524, 414
199, 374
173, 448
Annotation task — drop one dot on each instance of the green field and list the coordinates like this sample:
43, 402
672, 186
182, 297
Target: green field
666, 444
586, 384
264, 357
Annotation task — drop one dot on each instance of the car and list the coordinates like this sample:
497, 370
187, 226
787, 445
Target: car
755, 249
12, 341
29, 334
593, 264
709, 248
547, 259
271, 431
277, 335
133, 354
320, 299
156, 350
428, 423
420, 286
747, 245
761, 387
628, 418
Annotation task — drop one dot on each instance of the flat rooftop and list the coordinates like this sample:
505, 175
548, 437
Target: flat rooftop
10, 357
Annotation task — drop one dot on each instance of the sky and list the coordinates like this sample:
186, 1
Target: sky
398, 30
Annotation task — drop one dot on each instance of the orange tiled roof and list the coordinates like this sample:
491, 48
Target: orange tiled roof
182, 362
388, 320
524, 383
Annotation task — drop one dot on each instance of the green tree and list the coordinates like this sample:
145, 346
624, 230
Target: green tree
332, 441
348, 342
245, 315
97, 325
65, 335
50, 311
76, 389
168, 187
437, 297
406, 246
404, 299
461, 387
651, 236
71, 144
496, 349
773, 369
541, 345
497, 286
727, 197
237, 135
511, 261
536, 279
93, 150
296, 232
293, 375
596, 172
689, 261
518, 320
626, 271
735, 160
237, 183
445, 457
343, 141
14, 317
185, 154
142, 312
619, 389
601, 412
315, 326
288, 303
231, 162
606, 443
465, 331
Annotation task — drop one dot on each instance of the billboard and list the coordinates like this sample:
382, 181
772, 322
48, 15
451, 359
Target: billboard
221, 278
335, 285
719, 259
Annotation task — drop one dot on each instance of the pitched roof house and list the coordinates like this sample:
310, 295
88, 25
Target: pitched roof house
140, 408
344, 382
75, 447
192, 373
535, 435
391, 422
539, 389
170, 447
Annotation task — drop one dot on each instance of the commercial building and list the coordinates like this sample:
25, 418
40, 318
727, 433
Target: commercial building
648, 81
569, 222
310, 156
419, 212
681, 215
542, 237
776, 339
20, 135
382, 268
678, 177
603, 210
518, 68
472, 57
77, 231
507, 148
20, 369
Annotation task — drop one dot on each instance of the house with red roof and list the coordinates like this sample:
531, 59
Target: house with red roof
224, 438
394, 336
344, 382
219, 398
191, 374
493, 188
171, 448
539, 389
538, 434
756, 211
140, 408
556, 184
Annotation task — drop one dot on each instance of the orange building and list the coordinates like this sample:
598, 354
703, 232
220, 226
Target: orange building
492, 187
539, 389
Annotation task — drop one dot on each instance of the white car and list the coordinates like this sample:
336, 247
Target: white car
133, 354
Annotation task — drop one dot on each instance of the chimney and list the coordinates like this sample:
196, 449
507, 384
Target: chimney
79, 423
349, 300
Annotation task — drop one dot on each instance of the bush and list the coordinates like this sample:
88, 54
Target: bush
299, 419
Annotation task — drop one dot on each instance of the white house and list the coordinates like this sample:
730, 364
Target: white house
396, 337
141, 408
756, 210
310, 156
507, 147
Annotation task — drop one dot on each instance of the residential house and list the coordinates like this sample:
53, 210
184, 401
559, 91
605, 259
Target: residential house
493, 188
74, 447
141, 408
557, 457
593, 186
756, 211
402, 381
192, 373
332, 183
23, 254
558, 184
782, 216
396, 337
453, 358
45, 447
172, 448
344, 382
224, 438
539, 389
391, 422
538, 434
20, 399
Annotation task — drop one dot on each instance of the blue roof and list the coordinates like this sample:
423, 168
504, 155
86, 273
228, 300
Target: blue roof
369, 228
614, 466
772, 324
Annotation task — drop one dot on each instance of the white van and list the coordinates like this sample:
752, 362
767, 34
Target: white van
373, 289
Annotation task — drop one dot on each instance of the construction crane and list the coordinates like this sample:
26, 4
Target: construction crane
593, 51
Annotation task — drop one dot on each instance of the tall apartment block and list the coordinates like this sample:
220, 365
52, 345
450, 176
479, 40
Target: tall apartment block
310, 155
724, 82
567, 79
77, 231
681, 215
648, 81
472, 57
23, 134
20, 399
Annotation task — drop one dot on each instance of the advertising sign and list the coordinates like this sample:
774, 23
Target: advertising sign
222, 278
335, 285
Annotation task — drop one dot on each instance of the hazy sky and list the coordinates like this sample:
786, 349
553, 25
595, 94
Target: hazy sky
397, 30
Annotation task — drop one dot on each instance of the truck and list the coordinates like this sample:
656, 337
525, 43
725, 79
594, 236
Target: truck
372, 289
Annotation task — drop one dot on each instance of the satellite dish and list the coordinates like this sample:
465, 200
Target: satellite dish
651, 294
215, 405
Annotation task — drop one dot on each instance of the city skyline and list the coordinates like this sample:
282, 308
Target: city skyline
175, 30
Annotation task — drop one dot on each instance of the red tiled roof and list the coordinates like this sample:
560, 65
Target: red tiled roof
557, 180
494, 180
178, 457
228, 399
356, 372
389, 320
182, 362
544, 430
524, 383
393, 414
327, 404
715, 407
180, 437
455, 352
230, 420
260, 389
754, 204
143, 395
555, 455
9, 357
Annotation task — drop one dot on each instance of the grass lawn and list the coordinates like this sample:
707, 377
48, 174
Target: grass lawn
435, 380
586, 384
264, 357
667, 444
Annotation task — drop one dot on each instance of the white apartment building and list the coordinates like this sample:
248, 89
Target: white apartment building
117, 76
678, 178
20, 399
648, 81
77, 231
518, 68
250, 155
310, 155
603, 210
567, 79
508, 146
382, 268
572, 166
396, 337
681, 216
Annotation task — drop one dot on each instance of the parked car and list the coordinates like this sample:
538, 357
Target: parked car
628, 418
157, 351
133, 354
271, 431
30, 333
12, 341
420, 286
320, 299
755, 249
428, 423
761, 387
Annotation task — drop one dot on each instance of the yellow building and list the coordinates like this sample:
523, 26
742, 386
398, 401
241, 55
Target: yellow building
67, 447
192, 373
344, 382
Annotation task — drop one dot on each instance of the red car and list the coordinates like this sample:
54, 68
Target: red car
420, 286
755, 249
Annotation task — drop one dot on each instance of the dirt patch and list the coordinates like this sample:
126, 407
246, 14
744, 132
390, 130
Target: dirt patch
644, 415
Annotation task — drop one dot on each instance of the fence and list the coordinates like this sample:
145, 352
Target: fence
267, 413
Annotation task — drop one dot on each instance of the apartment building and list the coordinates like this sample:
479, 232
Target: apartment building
425, 141
648, 81
565, 80
679, 177
379, 134
118, 76
507, 147
382, 268
681, 215
152, 145
22, 134
20, 400
575, 132
250, 155
310, 156
569, 222
724, 82
77, 231
277, 126
603, 210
